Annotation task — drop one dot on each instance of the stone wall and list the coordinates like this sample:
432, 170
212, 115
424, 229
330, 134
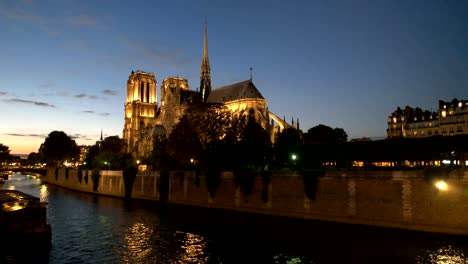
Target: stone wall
401, 199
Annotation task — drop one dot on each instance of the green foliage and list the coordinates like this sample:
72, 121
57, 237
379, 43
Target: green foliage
287, 143
58, 147
95, 175
90, 161
201, 126
111, 154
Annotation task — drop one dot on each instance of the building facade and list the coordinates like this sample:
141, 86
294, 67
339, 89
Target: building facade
145, 120
450, 119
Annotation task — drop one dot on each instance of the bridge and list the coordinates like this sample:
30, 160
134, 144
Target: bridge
41, 171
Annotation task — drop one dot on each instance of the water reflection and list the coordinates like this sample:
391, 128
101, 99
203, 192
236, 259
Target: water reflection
443, 255
193, 249
87, 228
44, 193
138, 239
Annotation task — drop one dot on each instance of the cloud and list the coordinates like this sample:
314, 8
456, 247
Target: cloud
3, 93
26, 135
81, 20
79, 136
22, 14
83, 95
37, 103
109, 92
93, 112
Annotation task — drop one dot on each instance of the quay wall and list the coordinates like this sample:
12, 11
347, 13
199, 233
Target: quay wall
397, 199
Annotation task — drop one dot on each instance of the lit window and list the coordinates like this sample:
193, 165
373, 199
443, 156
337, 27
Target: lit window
451, 112
402, 118
422, 133
445, 106
430, 124
460, 104
415, 119
415, 133
444, 114
394, 120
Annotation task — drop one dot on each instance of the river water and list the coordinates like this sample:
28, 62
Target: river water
95, 229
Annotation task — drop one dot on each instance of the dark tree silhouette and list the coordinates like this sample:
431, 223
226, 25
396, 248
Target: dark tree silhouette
58, 147
4, 153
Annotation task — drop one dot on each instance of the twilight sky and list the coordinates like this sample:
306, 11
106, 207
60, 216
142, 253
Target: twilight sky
64, 63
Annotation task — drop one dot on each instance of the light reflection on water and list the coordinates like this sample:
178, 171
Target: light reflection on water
443, 255
93, 229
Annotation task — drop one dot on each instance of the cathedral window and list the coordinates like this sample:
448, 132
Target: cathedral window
147, 92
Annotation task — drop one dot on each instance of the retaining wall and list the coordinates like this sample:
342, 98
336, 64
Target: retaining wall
400, 199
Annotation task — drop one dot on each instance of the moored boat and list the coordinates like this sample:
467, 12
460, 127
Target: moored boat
23, 220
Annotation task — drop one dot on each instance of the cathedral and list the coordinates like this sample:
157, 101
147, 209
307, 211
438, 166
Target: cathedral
145, 120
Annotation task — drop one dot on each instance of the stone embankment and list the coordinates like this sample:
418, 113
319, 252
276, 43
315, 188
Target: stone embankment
397, 199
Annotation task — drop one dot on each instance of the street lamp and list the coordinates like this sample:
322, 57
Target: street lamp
107, 164
138, 161
294, 157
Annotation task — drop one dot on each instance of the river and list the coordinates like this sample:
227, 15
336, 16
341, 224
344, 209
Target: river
96, 229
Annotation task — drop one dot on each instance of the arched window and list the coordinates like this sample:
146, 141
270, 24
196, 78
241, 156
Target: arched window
142, 90
147, 92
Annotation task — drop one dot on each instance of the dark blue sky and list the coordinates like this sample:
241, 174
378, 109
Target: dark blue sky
64, 63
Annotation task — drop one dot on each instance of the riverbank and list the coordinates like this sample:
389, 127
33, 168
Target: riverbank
395, 199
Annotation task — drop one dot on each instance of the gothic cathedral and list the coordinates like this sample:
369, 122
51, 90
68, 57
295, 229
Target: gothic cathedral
145, 120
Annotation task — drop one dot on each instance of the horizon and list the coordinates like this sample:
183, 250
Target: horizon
340, 64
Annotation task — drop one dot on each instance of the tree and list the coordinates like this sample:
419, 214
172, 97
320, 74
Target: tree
201, 125
58, 147
34, 158
111, 154
4, 153
319, 134
322, 134
339, 135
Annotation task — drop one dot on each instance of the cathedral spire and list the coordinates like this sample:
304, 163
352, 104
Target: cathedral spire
205, 79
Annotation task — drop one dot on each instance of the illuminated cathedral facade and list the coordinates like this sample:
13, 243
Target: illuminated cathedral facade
145, 120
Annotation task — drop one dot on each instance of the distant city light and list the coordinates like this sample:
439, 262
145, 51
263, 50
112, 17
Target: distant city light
191, 160
446, 162
293, 156
441, 185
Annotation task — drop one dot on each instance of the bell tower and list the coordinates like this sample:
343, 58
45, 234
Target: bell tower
140, 109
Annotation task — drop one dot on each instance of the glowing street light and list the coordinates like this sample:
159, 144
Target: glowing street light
138, 161
441, 185
294, 157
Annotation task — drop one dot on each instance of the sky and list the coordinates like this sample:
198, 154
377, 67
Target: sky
64, 64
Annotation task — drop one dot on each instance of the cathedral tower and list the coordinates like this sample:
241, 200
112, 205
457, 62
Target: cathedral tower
140, 109
205, 79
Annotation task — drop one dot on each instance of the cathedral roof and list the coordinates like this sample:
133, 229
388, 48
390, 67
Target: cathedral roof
236, 91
